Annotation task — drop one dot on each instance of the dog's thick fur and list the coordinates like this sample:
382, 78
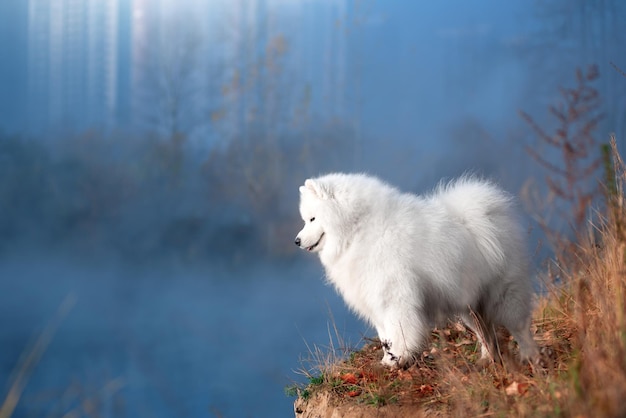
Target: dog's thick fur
405, 262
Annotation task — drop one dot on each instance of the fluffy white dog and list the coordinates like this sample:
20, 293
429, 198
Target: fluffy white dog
405, 262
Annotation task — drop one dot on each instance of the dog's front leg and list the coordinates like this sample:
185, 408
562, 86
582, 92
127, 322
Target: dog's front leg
404, 337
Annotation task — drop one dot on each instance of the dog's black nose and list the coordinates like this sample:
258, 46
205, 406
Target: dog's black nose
297, 241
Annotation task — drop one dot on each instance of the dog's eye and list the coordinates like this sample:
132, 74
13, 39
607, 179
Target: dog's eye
312, 219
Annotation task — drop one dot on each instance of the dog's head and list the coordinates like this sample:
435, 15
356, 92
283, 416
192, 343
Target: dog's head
332, 207
314, 196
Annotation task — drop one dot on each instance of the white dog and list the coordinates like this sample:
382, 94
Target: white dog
405, 262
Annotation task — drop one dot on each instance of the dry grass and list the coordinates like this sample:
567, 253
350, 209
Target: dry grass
75, 400
580, 323
30, 358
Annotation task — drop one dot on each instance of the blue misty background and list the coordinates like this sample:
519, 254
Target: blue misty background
150, 153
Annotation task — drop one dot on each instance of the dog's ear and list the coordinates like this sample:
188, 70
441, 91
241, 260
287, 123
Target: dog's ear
317, 188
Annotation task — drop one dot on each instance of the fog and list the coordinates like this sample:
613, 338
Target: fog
150, 158
163, 342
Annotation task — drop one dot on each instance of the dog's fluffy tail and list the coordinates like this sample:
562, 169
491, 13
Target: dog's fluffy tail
486, 211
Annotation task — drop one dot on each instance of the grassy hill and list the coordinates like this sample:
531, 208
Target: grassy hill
579, 323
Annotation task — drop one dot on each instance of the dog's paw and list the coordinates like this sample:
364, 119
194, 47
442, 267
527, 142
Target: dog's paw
389, 358
390, 362
394, 361
483, 363
546, 358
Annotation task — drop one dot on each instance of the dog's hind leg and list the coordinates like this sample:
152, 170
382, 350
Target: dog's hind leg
485, 334
528, 350
515, 315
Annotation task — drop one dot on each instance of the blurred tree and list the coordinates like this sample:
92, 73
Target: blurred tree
179, 90
23, 165
174, 87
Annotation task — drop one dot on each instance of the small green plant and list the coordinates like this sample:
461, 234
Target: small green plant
297, 391
292, 390
305, 394
378, 400
316, 380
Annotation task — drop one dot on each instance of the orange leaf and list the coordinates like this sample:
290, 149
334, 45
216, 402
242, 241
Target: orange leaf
369, 376
426, 389
404, 375
349, 378
522, 388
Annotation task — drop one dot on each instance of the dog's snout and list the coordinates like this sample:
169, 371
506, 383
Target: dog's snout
297, 241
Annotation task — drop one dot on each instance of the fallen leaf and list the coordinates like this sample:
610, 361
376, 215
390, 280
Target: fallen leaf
516, 388
459, 327
371, 377
523, 388
512, 389
349, 378
404, 375
354, 393
426, 389
463, 342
